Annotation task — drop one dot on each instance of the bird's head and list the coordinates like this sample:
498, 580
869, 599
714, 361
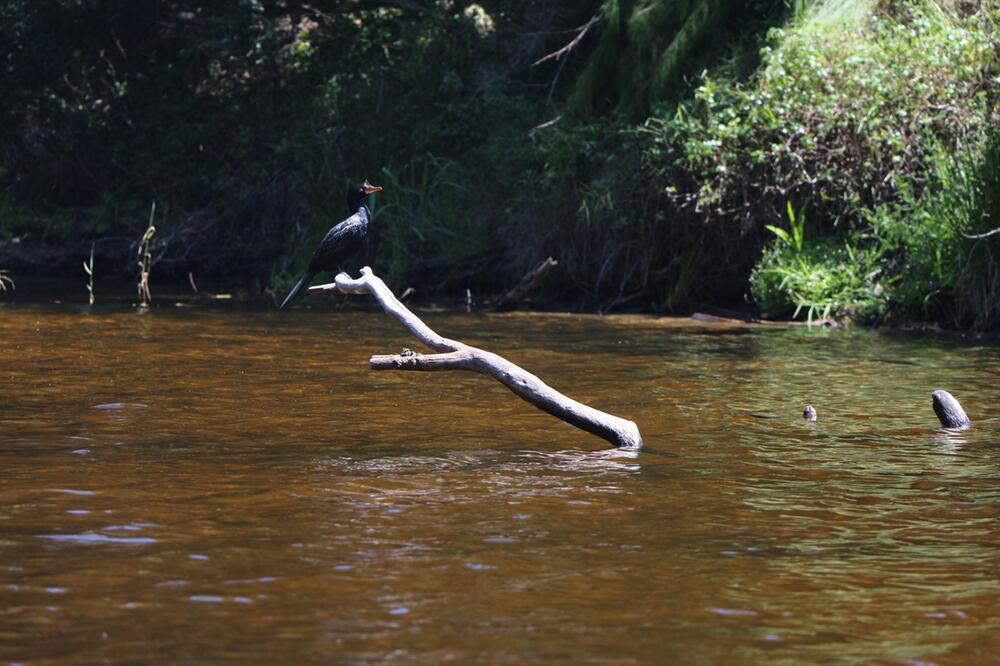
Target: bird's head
356, 194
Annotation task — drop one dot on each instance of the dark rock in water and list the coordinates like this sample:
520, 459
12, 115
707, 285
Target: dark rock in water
949, 412
809, 413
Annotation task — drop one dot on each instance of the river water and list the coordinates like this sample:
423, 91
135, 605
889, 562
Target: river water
202, 485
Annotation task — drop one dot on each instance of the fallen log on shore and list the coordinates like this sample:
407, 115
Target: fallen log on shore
531, 281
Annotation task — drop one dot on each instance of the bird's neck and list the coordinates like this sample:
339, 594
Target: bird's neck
359, 208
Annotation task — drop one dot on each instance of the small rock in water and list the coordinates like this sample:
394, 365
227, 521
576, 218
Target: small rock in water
809, 413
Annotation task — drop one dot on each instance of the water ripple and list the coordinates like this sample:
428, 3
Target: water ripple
93, 539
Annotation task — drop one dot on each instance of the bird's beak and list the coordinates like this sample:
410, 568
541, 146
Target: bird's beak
370, 189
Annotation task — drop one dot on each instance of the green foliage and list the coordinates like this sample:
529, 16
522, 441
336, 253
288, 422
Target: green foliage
797, 225
845, 114
941, 242
648, 47
685, 131
919, 233
828, 278
424, 215
978, 267
5, 280
840, 114
922, 257
850, 114
245, 120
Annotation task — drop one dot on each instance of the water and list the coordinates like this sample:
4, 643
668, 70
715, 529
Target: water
199, 486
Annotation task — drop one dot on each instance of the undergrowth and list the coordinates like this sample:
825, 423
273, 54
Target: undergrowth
656, 160
423, 217
869, 117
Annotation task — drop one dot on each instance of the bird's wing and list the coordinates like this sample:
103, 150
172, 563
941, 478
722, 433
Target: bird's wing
340, 241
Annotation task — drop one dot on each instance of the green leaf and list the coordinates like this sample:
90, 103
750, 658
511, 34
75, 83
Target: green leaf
780, 233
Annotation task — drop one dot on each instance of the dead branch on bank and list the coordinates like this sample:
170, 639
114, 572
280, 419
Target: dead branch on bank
455, 355
531, 281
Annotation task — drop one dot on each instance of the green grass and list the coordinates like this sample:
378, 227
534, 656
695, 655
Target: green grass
422, 210
828, 278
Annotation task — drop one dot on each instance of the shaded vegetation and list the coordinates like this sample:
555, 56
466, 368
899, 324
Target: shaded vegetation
865, 116
245, 120
649, 47
835, 158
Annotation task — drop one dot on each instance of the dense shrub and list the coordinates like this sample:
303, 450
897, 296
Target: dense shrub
842, 112
851, 114
847, 117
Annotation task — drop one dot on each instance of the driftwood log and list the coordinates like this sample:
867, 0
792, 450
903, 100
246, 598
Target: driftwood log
455, 355
531, 281
949, 411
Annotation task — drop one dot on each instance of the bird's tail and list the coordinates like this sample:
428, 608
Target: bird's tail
293, 294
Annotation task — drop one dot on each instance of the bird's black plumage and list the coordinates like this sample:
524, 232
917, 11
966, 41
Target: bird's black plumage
342, 242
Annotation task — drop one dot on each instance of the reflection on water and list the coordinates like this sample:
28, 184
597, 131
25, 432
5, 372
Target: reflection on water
206, 486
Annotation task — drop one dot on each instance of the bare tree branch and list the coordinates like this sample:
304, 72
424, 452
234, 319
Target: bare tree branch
455, 355
557, 55
984, 235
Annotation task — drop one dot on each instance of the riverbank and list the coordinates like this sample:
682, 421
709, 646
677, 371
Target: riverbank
835, 159
114, 295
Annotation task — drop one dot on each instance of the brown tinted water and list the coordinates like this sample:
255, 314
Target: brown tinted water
199, 486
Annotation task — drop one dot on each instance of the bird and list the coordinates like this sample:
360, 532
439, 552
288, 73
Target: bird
342, 241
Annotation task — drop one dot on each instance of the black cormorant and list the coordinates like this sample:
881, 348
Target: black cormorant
342, 241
